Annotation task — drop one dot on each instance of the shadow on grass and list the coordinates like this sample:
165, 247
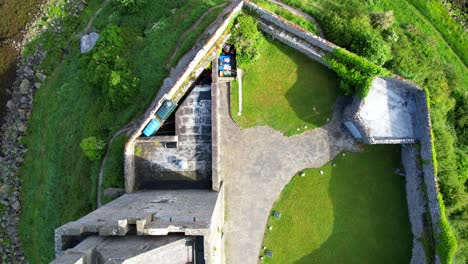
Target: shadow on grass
370, 225
313, 95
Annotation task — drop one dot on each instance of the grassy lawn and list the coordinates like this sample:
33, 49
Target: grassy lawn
285, 89
355, 212
58, 182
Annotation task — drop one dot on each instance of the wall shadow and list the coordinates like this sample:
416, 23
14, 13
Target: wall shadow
313, 95
371, 223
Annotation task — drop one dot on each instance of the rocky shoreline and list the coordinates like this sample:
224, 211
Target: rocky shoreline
29, 79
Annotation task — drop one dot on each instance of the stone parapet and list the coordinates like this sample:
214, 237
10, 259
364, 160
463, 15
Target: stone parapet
277, 21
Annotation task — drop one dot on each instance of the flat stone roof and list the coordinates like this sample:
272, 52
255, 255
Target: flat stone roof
388, 110
162, 210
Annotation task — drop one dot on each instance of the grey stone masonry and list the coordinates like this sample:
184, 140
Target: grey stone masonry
277, 21
415, 199
149, 213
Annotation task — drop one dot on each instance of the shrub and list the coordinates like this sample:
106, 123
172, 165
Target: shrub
355, 73
93, 148
382, 20
446, 240
247, 39
107, 69
130, 5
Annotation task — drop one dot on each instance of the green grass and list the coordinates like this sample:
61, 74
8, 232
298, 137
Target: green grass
291, 17
285, 89
187, 44
114, 169
355, 212
58, 182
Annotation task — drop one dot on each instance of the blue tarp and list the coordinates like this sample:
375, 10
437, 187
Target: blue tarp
152, 127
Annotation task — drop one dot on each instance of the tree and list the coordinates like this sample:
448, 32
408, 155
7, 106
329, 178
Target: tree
93, 148
107, 69
383, 20
130, 5
247, 38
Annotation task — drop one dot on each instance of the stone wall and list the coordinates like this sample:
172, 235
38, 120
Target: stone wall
29, 79
415, 200
174, 86
215, 121
279, 22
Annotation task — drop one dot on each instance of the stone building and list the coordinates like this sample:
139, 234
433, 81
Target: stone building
385, 116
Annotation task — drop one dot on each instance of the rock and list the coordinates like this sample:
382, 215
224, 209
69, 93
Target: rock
88, 42
21, 126
4, 191
37, 85
16, 205
167, 82
22, 114
4, 202
40, 77
28, 72
24, 100
113, 192
10, 104
24, 86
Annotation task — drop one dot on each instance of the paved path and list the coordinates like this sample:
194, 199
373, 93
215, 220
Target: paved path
256, 163
301, 14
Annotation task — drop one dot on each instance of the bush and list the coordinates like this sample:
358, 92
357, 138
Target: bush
93, 148
382, 20
358, 35
107, 69
247, 39
355, 73
446, 240
130, 5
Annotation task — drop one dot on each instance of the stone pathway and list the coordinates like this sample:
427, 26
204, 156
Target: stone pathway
256, 164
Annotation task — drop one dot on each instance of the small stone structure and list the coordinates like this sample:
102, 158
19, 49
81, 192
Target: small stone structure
385, 115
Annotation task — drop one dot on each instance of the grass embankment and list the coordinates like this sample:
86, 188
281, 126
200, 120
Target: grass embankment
114, 169
58, 182
355, 212
286, 90
428, 47
293, 18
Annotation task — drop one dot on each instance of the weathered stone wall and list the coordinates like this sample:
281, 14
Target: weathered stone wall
215, 175
294, 42
214, 243
281, 23
415, 200
174, 86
